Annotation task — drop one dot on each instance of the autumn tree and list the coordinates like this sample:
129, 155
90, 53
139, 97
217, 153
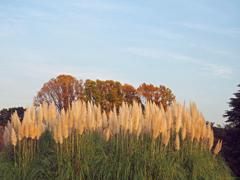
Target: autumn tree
90, 90
105, 93
114, 94
62, 90
102, 94
155, 94
130, 94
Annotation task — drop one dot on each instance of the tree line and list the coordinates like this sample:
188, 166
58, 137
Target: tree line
64, 89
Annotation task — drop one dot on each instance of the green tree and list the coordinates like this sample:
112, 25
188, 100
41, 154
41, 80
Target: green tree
233, 117
5, 114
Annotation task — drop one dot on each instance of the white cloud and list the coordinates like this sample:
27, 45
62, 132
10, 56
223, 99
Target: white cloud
99, 6
204, 67
234, 32
220, 52
218, 71
164, 33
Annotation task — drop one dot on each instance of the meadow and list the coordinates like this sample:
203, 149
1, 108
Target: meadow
83, 142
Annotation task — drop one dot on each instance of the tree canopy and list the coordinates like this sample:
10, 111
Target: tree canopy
62, 90
159, 95
232, 134
5, 114
65, 88
233, 115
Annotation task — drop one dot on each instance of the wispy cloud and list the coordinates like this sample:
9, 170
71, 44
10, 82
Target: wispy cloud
37, 13
234, 32
47, 70
219, 71
220, 52
98, 6
204, 67
164, 33
16, 20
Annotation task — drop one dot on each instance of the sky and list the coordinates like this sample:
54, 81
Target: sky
191, 47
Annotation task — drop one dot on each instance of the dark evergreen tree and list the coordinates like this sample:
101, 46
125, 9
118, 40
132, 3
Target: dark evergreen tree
5, 114
233, 115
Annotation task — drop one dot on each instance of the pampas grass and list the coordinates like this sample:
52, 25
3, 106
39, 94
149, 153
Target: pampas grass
82, 142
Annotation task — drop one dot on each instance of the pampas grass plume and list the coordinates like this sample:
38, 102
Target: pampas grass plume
6, 136
211, 140
188, 122
177, 142
39, 131
167, 138
20, 132
32, 130
28, 114
218, 147
169, 117
40, 114
192, 132
183, 132
14, 138
209, 130
197, 132
156, 126
45, 112
104, 118
33, 115
55, 134
52, 113
178, 118
26, 129
107, 134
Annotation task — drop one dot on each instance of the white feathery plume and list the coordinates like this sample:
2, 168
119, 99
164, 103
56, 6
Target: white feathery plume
33, 115
14, 138
45, 112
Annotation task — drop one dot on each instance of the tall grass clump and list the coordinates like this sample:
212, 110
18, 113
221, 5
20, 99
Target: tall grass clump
83, 142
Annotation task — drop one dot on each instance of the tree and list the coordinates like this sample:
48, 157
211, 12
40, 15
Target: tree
233, 115
155, 94
102, 94
62, 91
90, 91
130, 94
5, 114
114, 95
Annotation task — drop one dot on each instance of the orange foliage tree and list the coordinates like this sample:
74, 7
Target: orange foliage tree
114, 94
62, 90
130, 94
105, 93
155, 94
65, 88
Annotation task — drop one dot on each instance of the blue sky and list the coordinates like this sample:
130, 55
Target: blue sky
192, 47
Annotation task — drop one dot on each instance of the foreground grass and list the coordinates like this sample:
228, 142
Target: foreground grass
122, 157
